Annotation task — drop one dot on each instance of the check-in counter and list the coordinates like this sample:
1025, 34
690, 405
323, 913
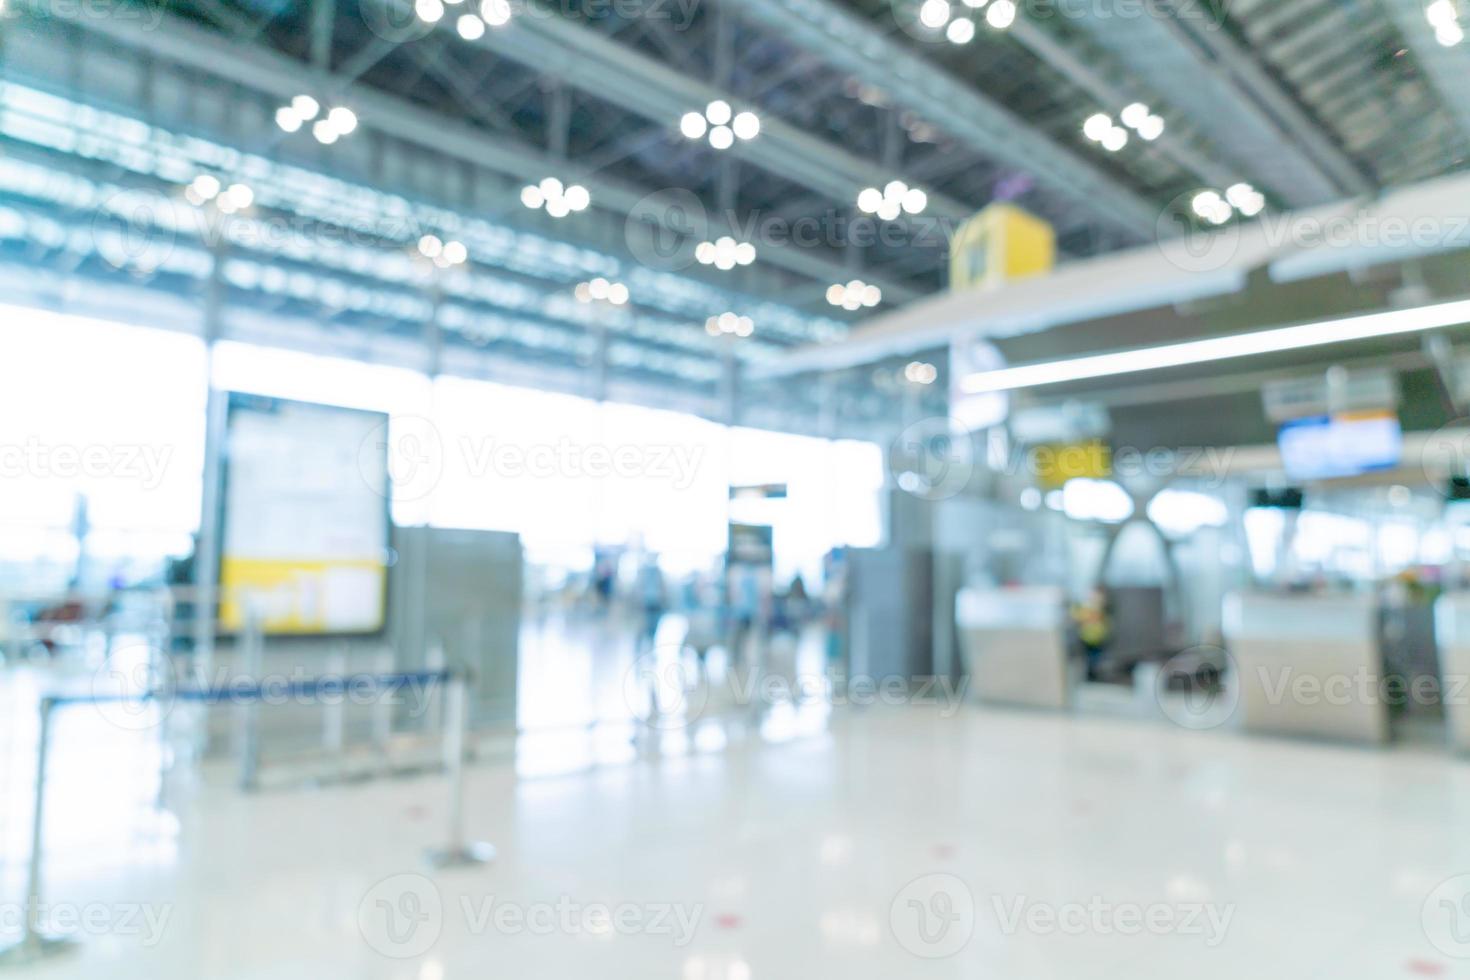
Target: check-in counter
1015, 644
1308, 665
1452, 636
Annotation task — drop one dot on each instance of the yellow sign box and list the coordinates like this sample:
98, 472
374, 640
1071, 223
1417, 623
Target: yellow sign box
1001, 244
1054, 464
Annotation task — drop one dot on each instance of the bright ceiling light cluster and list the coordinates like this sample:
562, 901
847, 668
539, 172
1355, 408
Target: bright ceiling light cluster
959, 27
602, 290
920, 373
1210, 206
729, 325
337, 123
445, 255
207, 187
854, 295
558, 199
895, 199
471, 27
721, 123
725, 253
1100, 128
1444, 17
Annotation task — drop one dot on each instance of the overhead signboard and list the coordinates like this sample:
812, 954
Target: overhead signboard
304, 538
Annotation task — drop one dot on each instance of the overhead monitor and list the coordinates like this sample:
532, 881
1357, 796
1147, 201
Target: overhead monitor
304, 521
1322, 447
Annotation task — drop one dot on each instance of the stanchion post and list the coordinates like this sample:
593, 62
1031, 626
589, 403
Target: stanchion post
34, 944
252, 660
458, 852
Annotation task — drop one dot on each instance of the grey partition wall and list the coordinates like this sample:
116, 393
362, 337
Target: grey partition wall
462, 588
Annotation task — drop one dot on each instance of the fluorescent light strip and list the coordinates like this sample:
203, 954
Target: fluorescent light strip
1387, 324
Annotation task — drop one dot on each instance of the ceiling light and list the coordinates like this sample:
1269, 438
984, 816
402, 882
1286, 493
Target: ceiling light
558, 199
920, 373
721, 137
1245, 199
429, 11
305, 107
1002, 14
745, 253
1133, 115
961, 31
343, 119
747, 126
470, 27
1097, 126
693, 125
204, 188
890, 210
240, 195
934, 14
854, 295
455, 253
325, 132
1441, 12
1389, 323
1151, 128
496, 13
915, 201
288, 119
617, 294
1204, 202
1115, 139
729, 324
976, 4
1449, 35
718, 112
578, 197
870, 200
431, 247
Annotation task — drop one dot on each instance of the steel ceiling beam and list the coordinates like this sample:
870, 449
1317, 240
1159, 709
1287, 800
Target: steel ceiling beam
616, 73
260, 69
1448, 69
855, 45
1263, 132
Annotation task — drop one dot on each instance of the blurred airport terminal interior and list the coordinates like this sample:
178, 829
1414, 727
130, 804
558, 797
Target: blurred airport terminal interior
734, 489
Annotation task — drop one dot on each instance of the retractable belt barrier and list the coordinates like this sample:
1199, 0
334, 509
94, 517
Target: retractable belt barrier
35, 944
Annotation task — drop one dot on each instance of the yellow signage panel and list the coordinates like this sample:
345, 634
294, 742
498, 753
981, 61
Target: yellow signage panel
1001, 244
1056, 463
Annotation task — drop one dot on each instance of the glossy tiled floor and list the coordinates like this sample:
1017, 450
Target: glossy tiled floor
887, 841
1022, 845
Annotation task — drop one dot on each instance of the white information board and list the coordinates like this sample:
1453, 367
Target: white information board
305, 517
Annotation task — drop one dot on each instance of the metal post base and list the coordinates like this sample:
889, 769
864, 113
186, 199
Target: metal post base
33, 949
464, 856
